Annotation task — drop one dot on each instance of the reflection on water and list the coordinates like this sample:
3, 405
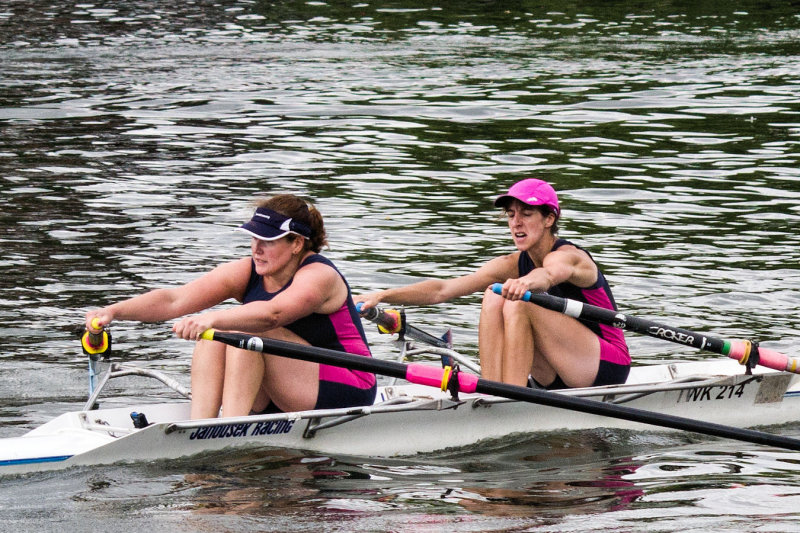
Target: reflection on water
562, 482
135, 135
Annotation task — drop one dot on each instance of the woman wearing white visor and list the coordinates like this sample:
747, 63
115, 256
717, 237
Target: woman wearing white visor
289, 292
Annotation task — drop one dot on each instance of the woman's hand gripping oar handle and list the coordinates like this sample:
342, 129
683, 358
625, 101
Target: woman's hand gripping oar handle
394, 321
96, 343
746, 352
389, 321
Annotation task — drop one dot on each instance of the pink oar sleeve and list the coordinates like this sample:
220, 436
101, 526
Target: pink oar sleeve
766, 357
432, 376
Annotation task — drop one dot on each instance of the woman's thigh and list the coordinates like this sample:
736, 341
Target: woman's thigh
291, 384
571, 349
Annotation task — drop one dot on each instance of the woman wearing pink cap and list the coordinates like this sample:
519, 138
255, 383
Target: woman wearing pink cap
289, 292
521, 343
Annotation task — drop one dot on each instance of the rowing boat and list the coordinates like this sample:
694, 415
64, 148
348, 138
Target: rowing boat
406, 418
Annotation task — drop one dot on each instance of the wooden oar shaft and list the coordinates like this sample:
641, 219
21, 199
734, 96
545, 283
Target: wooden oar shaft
434, 376
739, 350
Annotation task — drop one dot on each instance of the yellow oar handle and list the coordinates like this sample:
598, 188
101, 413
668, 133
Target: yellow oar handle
96, 343
208, 335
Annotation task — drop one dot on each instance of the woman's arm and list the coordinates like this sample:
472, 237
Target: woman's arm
434, 291
568, 263
224, 282
316, 288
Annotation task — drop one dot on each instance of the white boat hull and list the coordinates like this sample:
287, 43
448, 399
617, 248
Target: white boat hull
426, 422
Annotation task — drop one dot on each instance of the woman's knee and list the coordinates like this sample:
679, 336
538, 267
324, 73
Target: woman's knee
237, 360
208, 352
504, 311
515, 309
492, 303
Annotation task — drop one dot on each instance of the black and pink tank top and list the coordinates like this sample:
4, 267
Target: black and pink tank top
598, 294
341, 330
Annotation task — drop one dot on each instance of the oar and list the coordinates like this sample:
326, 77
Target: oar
393, 321
94, 345
746, 352
440, 377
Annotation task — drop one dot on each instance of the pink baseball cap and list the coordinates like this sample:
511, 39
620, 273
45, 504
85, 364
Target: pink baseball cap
532, 192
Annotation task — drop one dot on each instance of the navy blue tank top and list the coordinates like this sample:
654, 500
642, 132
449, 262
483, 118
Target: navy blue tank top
598, 294
341, 330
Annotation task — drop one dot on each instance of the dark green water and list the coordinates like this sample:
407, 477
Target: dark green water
135, 134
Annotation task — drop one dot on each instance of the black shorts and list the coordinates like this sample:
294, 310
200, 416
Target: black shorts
607, 374
611, 374
333, 395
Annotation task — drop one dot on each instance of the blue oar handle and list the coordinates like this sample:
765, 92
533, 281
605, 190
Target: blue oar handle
370, 314
497, 288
